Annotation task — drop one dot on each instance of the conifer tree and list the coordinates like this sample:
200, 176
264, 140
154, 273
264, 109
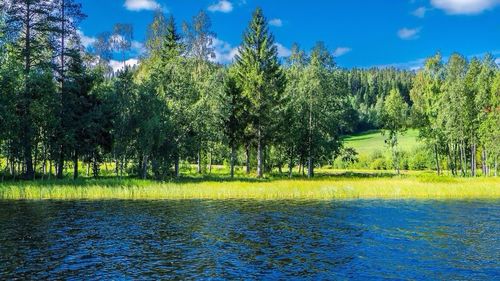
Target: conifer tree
260, 76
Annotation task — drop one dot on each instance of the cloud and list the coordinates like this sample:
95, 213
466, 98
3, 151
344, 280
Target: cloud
413, 65
85, 40
340, 51
138, 47
223, 6
409, 33
276, 22
139, 5
118, 65
224, 52
420, 12
465, 7
282, 50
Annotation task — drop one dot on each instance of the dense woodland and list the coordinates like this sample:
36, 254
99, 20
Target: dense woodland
62, 105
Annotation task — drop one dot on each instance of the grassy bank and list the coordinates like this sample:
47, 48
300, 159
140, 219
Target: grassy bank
341, 186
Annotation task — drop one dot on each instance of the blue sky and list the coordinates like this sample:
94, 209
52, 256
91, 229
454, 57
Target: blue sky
361, 33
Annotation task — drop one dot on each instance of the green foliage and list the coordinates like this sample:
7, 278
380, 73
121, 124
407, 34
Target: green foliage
63, 108
260, 77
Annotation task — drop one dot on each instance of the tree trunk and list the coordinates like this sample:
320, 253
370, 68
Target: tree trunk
95, 167
310, 167
210, 163
437, 159
290, 164
233, 159
44, 162
25, 119
60, 164
198, 169
483, 161
462, 159
260, 172
247, 159
473, 160
176, 165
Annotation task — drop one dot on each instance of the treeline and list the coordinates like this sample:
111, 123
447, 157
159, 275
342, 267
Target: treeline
62, 105
456, 106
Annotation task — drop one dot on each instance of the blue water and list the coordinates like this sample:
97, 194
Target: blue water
114, 240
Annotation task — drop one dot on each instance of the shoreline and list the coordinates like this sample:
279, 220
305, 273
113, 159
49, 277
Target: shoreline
327, 188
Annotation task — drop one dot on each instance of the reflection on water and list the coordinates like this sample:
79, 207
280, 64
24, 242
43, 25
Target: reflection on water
252, 239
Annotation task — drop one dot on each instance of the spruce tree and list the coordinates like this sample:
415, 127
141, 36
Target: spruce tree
260, 76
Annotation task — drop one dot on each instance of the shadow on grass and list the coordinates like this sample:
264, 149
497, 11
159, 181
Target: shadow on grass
113, 181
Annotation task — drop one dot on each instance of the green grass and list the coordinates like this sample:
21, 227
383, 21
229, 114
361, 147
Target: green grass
345, 185
370, 141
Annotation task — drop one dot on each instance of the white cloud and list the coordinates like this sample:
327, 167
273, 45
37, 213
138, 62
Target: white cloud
119, 65
409, 33
224, 52
420, 12
464, 7
411, 65
138, 47
139, 5
223, 6
340, 51
86, 40
282, 50
276, 22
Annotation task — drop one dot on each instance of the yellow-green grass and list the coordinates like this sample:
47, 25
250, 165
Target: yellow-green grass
368, 142
339, 187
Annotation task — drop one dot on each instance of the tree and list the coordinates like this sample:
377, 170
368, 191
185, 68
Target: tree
260, 76
77, 109
29, 22
426, 95
488, 103
395, 122
157, 31
123, 98
233, 115
200, 51
67, 16
453, 113
293, 132
121, 40
322, 105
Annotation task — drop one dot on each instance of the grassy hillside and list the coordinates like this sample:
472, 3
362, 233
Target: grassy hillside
367, 142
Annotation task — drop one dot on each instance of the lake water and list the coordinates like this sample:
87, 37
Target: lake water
285, 240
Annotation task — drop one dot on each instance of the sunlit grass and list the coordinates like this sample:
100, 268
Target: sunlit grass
325, 187
368, 142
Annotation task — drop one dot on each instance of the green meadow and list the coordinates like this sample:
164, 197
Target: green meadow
367, 142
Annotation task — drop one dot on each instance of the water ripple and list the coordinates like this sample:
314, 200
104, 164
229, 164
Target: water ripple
249, 239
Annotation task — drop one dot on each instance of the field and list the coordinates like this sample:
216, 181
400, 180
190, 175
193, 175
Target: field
328, 186
367, 142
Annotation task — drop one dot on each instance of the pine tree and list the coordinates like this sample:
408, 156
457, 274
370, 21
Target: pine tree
29, 22
260, 76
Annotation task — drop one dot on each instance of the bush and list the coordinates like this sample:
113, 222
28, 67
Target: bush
378, 164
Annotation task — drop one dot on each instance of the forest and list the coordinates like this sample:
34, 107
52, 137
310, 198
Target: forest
64, 110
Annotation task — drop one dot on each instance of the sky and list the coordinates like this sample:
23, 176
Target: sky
360, 33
